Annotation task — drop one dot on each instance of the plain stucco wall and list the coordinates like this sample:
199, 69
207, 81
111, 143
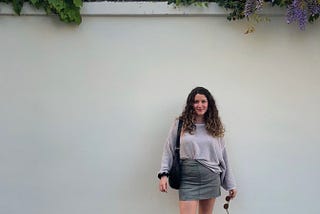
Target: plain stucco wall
85, 111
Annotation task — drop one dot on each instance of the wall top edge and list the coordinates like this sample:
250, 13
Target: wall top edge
137, 8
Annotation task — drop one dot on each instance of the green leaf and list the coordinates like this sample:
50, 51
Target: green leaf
17, 6
57, 4
77, 3
34, 2
37, 3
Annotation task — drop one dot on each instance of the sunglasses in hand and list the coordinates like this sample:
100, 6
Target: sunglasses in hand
226, 205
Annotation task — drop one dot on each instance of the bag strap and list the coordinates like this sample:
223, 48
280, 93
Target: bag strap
178, 135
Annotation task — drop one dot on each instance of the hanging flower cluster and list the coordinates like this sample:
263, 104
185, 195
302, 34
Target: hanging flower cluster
299, 11
252, 6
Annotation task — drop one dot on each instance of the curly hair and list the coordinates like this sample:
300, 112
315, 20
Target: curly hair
211, 117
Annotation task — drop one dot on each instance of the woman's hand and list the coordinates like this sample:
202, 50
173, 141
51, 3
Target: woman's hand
163, 184
232, 193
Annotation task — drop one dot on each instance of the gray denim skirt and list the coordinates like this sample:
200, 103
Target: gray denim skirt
198, 182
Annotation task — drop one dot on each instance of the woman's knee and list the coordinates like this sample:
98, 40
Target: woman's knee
206, 206
188, 207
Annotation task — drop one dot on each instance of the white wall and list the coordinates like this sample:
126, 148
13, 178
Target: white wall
84, 111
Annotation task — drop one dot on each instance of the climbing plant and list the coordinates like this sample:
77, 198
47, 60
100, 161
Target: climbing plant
297, 11
67, 10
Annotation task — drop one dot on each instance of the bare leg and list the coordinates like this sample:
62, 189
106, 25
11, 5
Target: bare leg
206, 206
188, 207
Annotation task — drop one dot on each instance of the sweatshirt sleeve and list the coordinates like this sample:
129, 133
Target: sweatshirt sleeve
227, 178
168, 148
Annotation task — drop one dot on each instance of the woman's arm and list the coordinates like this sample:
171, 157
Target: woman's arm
227, 178
167, 157
168, 149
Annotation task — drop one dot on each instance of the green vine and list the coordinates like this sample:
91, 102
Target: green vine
67, 10
235, 6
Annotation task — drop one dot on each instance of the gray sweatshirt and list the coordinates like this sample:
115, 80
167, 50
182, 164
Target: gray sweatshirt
201, 146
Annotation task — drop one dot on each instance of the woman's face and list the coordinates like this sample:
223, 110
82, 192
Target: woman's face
200, 104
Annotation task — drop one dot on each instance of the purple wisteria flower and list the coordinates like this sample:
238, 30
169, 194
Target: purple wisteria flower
313, 7
300, 10
251, 6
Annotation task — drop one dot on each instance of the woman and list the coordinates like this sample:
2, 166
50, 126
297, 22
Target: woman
204, 162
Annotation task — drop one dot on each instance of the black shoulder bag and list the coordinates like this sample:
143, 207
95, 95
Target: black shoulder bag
174, 174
